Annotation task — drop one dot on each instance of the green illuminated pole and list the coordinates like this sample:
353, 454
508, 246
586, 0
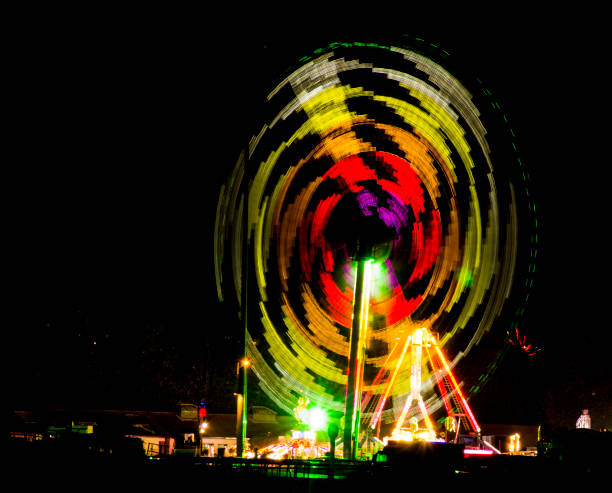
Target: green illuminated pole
241, 401
352, 409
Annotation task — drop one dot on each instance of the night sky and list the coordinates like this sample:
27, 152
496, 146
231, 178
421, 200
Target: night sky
121, 133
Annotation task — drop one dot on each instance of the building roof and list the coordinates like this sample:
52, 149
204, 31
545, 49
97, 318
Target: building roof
156, 423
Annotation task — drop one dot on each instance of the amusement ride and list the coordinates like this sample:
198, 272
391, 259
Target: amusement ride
370, 231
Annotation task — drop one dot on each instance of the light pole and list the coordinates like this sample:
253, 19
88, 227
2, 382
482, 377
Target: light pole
241, 395
241, 410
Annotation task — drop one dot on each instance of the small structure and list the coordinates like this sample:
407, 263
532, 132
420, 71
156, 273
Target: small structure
219, 446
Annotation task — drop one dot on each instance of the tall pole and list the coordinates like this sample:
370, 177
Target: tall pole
352, 409
241, 401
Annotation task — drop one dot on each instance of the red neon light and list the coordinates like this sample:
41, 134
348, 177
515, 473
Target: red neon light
456, 387
472, 451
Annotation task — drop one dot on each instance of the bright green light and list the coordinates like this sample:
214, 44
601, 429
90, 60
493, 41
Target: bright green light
317, 419
379, 280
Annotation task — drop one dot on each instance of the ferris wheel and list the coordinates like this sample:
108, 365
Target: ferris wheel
380, 187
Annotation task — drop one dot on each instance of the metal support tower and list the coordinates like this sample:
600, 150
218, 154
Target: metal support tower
352, 410
454, 401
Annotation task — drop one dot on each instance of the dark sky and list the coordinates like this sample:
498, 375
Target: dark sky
123, 130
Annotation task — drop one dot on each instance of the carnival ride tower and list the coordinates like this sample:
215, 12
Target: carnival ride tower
372, 242
459, 414
417, 341
352, 409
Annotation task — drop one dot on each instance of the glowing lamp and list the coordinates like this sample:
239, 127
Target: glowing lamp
317, 419
515, 443
477, 452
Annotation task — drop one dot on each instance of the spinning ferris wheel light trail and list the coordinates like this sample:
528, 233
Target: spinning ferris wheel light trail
377, 162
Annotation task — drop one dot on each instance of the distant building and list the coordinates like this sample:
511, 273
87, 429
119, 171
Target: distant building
501, 436
161, 433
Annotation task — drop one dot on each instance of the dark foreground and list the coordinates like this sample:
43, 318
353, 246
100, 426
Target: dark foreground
71, 467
